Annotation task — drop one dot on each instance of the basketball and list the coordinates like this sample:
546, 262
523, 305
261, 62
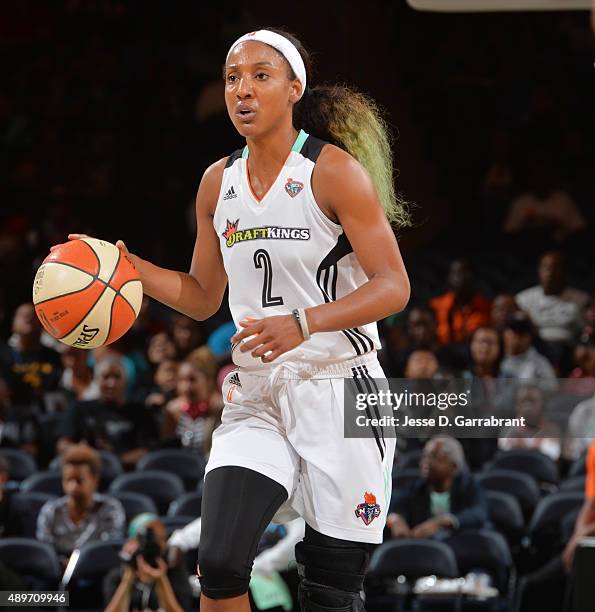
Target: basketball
86, 293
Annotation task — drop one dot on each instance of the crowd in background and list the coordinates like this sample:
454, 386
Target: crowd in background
109, 121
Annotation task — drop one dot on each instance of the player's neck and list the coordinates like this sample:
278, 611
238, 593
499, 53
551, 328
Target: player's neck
271, 149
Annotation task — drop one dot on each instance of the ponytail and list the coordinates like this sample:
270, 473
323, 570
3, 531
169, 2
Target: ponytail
353, 122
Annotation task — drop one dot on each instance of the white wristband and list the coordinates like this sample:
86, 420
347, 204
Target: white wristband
300, 315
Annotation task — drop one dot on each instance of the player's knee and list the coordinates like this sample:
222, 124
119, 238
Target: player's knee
331, 573
222, 574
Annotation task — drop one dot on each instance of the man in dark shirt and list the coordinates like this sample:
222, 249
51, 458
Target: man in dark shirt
110, 422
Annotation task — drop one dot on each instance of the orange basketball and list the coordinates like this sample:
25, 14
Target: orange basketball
86, 293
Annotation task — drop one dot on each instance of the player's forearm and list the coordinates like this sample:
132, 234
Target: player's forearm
178, 290
376, 299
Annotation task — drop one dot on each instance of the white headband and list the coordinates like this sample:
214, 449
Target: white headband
284, 46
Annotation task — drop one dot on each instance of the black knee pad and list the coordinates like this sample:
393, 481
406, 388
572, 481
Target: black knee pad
222, 574
331, 573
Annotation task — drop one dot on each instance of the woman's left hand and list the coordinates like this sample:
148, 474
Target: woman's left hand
277, 334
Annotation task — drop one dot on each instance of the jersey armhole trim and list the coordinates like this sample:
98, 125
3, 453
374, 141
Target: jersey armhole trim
329, 222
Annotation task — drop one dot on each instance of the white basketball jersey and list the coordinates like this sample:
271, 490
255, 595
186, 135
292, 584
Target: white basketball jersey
282, 252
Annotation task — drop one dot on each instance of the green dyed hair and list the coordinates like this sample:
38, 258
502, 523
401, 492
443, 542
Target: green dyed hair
354, 122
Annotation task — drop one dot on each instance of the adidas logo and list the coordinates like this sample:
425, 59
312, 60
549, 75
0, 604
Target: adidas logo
230, 194
235, 380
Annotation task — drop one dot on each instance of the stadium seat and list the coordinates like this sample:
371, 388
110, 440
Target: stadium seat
189, 466
25, 507
578, 467
188, 504
576, 483
21, 463
545, 528
162, 487
111, 468
485, 551
520, 486
403, 478
172, 523
567, 524
95, 560
530, 462
505, 513
413, 559
410, 459
35, 562
44, 482
134, 503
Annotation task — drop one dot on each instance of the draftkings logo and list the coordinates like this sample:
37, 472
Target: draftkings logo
233, 235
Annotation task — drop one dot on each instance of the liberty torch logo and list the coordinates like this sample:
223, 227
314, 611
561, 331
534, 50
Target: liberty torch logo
293, 187
369, 510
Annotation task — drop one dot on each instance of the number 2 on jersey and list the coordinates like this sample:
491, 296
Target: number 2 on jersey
263, 260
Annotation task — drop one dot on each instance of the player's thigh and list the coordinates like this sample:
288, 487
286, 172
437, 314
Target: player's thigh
345, 484
251, 434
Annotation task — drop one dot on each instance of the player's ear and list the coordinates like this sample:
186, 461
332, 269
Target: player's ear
295, 91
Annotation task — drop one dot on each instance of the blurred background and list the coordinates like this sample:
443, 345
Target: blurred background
111, 110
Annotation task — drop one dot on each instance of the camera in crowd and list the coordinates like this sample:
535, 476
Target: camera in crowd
148, 543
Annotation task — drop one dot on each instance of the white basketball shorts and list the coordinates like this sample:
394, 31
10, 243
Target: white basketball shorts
287, 423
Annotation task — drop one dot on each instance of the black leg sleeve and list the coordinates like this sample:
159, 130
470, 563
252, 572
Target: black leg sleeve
237, 506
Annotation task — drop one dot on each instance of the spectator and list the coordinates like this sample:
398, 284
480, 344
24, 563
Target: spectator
554, 307
581, 429
35, 368
538, 433
276, 558
445, 498
161, 347
420, 335
545, 588
165, 383
110, 422
581, 380
187, 417
544, 209
461, 310
82, 515
19, 425
521, 361
422, 364
78, 375
503, 307
486, 352
584, 358
146, 581
187, 334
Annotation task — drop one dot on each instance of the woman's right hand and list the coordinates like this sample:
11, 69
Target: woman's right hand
120, 244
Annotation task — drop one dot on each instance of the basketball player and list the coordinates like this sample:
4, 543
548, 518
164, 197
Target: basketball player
300, 230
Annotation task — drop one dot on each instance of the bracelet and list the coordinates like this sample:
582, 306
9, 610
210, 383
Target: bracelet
300, 317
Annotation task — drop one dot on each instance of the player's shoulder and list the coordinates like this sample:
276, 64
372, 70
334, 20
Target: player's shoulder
337, 166
210, 185
214, 173
338, 173
335, 159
